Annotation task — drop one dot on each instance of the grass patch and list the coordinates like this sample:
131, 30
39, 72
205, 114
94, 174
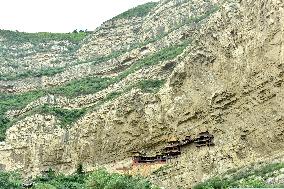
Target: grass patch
248, 178
139, 11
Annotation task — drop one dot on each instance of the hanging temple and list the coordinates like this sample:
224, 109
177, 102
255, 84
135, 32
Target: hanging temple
173, 149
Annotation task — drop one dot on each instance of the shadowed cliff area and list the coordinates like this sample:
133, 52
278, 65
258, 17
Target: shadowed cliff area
181, 92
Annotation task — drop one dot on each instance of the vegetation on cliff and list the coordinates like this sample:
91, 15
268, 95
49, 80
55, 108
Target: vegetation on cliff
15, 101
19, 50
150, 85
139, 11
32, 73
250, 177
65, 116
96, 180
42, 37
89, 85
210, 89
10, 180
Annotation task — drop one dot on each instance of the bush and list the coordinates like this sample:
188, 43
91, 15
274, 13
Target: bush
66, 117
150, 85
10, 180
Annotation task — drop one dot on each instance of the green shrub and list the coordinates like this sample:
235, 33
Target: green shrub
65, 116
10, 180
4, 124
61, 181
150, 85
80, 169
112, 96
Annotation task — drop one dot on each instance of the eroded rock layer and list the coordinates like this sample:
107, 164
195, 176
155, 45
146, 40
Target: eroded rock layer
228, 80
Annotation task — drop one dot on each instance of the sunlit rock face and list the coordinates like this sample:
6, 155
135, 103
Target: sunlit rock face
227, 81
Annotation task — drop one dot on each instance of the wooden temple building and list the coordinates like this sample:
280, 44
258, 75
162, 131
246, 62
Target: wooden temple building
173, 149
141, 158
204, 139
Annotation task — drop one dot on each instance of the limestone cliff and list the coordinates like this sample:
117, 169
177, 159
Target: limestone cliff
186, 67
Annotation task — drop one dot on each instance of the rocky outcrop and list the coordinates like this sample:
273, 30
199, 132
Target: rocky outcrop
20, 56
228, 81
114, 35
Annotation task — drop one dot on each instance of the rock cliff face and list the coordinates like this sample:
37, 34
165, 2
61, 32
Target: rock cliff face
187, 67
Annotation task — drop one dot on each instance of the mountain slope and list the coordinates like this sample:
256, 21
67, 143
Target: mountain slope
185, 68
